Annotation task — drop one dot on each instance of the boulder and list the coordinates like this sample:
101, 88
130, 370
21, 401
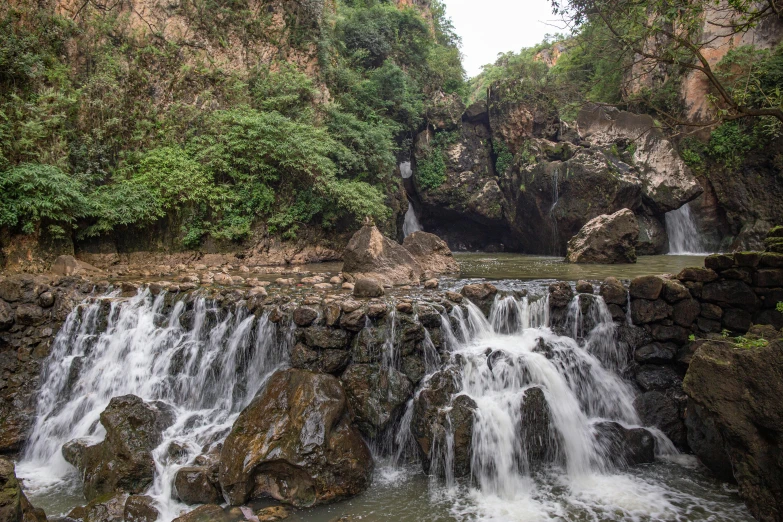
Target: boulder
434, 396
106, 508
371, 254
123, 461
456, 423
376, 396
319, 360
660, 378
431, 252
606, 239
272, 514
584, 287
197, 485
14, 506
663, 411
644, 311
613, 292
560, 294
625, 446
481, 295
646, 287
295, 443
69, 265
706, 442
305, 315
738, 392
368, 287
7, 316
140, 508
207, 513
667, 182
541, 442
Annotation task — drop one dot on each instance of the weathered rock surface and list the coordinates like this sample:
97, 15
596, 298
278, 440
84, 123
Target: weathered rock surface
371, 254
606, 239
68, 265
625, 446
431, 252
198, 485
737, 391
206, 513
666, 180
295, 443
376, 396
123, 461
140, 508
14, 506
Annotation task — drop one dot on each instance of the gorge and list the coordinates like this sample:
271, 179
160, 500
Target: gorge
271, 260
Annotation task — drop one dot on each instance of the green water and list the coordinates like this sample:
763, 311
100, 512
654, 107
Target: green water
524, 267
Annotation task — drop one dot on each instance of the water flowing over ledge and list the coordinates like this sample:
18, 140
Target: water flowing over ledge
205, 363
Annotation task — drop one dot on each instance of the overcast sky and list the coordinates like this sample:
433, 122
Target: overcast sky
489, 27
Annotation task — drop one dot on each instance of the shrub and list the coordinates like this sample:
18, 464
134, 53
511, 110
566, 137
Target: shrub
32, 195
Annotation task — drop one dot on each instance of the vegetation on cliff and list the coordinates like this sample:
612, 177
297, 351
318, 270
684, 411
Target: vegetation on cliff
224, 114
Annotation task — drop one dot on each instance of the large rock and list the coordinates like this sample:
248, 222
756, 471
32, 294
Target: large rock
540, 440
738, 391
207, 513
14, 506
197, 485
432, 253
434, 396
123, 461
68, 265
666, 180
295, 443
664, 411
376, 396
371, 254
606, 239
625, 446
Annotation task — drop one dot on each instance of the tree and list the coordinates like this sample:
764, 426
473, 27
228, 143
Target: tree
668, 36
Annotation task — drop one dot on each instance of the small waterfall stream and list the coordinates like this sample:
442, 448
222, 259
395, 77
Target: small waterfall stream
684, 237
207, 362
411, 223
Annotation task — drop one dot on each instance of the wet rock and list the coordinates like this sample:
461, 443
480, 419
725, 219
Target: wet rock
106, 508
431, 252
481, 295
435, 394
6, 316
606, 239
457, 421
431, 283
708, 325
304, 316
272, 514
207, 513
376, 310
625, 446
584, 287
295, 443
332, 313
719, 262
325, 361
706, 442
370, 254
685, 312
540, 440
697, 275
656, 353
14, 506
738, 391
123, 461
731, 292
663, 411
366, 287
613, 292
325, 338
742, 274
768, 277
737, 320
46, 300
665, 333
674, 291
644, 311
405, 307
657, 378
29, 314
413, 368
140, 508
197, 485
353, 321
376, 396
560, 294
646, 287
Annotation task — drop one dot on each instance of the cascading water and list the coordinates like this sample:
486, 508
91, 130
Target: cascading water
411, 223
207, 363
552, 217
684, 237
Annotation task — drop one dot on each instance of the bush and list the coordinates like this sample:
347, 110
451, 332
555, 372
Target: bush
32, 195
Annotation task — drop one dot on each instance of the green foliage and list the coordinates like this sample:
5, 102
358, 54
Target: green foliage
747, 344
285, 90
779, 307
504, 157
33, 195
431, 170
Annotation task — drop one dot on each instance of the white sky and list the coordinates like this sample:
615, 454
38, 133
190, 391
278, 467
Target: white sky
489, 27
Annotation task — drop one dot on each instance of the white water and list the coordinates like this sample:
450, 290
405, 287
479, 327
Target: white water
411, 223
208, 373
211, 369
684, 237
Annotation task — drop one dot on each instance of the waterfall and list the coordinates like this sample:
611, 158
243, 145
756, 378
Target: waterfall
499, 360
207, 363
552, 217
684, 237
411, 223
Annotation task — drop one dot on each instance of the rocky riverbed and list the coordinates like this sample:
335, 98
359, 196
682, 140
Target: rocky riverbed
191, 391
